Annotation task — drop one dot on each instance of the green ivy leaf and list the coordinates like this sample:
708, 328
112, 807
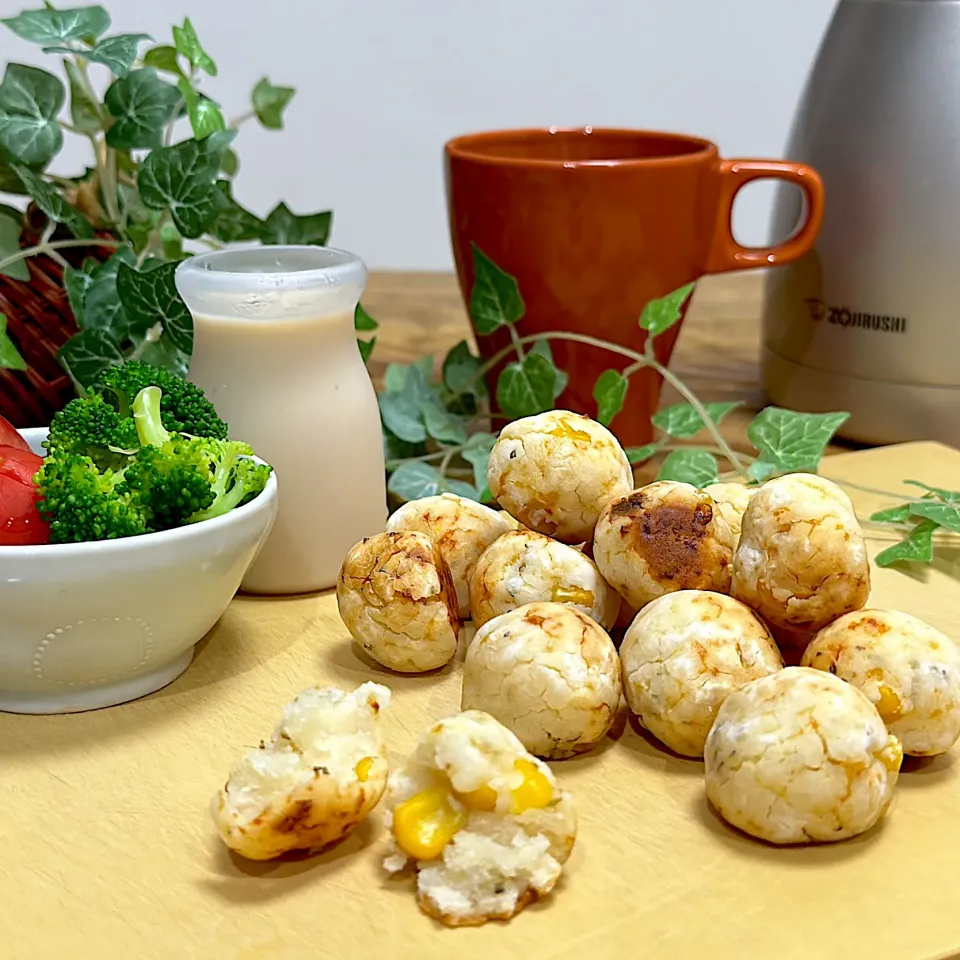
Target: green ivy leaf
495, 298
543, 348
269, 102
162, 353
412, 379
117, 53
460, 368
640, 454
30, 100
52, 204
10, 358
282, 226
76, 283
163, 58
792, 442
661, 314
84, 113
10, 230
59, 26
183, 178
233, 223
916, 547
412, 481
205, 115
477, 454
525, 389
609, 391
402, 416
102, 309
366, 348
690, 466
440, 424
230, 163
682, 421
86, 355
171, 242
143, 105
362, 320
945, 514
187, 43
948, 496
150, 297
899, 514
9, 181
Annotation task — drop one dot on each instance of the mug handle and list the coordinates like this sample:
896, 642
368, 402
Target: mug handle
726, 254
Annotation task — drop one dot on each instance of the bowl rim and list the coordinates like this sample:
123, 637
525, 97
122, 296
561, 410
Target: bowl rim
178, 535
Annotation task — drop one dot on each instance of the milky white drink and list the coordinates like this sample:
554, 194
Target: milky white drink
275, 351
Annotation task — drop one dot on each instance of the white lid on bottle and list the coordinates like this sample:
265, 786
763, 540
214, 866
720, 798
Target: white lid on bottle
269, 283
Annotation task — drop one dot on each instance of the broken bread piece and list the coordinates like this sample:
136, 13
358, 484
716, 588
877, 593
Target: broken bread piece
482, 820
323, 770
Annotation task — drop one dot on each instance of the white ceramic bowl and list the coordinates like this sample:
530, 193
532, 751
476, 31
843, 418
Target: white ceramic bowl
88, 625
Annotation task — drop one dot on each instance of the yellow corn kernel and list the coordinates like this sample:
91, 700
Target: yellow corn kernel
891, 754
564, 429
426, 823
483, 798
578, 595
889, 705
535, 790
363, 768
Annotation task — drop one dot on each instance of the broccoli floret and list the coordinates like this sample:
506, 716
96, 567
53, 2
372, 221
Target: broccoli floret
90, 427
231, 478
81, 503
184, 406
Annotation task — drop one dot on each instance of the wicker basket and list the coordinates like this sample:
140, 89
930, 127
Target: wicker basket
39, 322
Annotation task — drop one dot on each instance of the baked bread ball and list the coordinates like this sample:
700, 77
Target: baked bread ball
556, 471
483, 821
731, 500
461, 528
524, 567
664, 537
547, 672
684, 654
397, 598
320, 774
909, 671
800, 757
801, 562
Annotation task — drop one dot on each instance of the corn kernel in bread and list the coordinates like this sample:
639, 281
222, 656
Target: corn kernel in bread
484, 822
323, 770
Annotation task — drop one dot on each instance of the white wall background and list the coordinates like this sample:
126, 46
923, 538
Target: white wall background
382, 84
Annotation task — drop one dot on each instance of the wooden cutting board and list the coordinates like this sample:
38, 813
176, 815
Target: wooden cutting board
107, 848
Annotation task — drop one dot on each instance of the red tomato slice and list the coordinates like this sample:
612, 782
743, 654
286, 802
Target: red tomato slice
20, 522
9, 436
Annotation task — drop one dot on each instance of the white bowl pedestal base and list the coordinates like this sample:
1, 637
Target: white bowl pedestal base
80, 699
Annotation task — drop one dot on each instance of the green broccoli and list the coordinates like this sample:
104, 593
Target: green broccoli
90, 427
116, 472
184, 406
82, 503
231, 477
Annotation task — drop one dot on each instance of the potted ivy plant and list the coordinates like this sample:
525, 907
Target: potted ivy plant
97, 251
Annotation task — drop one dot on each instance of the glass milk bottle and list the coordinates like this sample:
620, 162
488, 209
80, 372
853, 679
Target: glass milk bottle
275, 351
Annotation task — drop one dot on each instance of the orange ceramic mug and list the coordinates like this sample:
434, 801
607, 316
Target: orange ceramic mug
594, 223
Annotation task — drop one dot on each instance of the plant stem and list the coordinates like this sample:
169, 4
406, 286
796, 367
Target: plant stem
517, 343
448, 455
241, 119
108, 186
48, 248
426, 458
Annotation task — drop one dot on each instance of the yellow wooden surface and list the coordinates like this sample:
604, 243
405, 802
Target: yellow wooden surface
107, 848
